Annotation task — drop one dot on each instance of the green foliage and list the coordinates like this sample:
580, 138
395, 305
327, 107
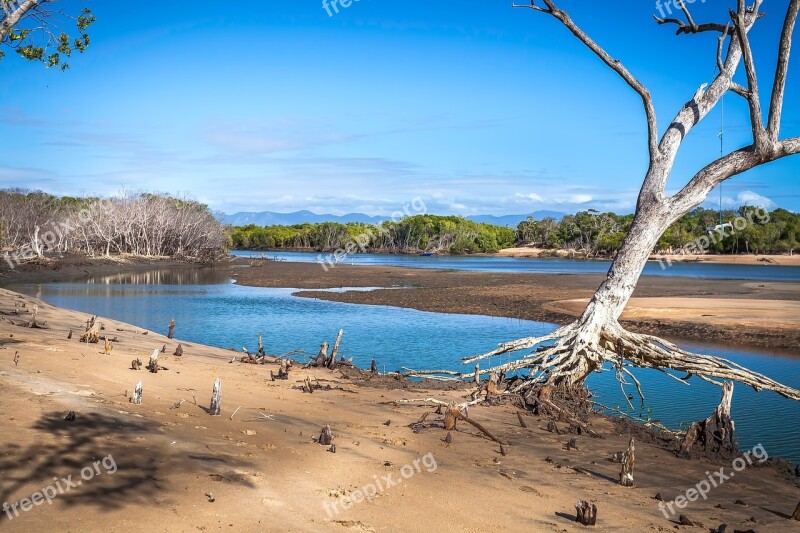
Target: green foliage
590, 233
420, 233
38, 35
602, 234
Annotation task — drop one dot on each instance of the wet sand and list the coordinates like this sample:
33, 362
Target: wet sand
173, 458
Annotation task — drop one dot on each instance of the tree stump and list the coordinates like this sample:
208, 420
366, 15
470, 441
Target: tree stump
152, 365
322, 357
137, 394
326, 436
178, 350
477, 374
261, 352
374, 367
92, 333
491, 386
32, 322
164, 348
283, 371
628, 462
715, 433
586, 513
796, 515
216, 398
451, 416
107, 346
136, 364
521, 421
171, 328
335, 351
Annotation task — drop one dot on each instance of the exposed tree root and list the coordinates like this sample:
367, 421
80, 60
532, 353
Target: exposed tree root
583, 347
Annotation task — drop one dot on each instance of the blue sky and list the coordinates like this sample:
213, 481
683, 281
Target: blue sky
473, 106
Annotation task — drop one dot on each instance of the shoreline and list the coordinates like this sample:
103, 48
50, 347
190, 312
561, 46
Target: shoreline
542, 253
170, 455
724, 312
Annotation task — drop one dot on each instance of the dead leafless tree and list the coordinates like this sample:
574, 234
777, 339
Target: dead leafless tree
573, 352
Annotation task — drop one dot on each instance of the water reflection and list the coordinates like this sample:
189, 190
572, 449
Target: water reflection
189, 275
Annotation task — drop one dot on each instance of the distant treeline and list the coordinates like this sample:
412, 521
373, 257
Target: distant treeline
745, 230
34, 223
587, 233
416, 234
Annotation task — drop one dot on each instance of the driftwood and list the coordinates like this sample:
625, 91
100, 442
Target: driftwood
164, 348
715, 433
477, 374
250, 357
796, 515
136, 364
69, 335
107, 346
628, 462
374, 367
16, 358
171, 328
326, 436
216, 398
586, 513
178, 350
521, 421
137, 394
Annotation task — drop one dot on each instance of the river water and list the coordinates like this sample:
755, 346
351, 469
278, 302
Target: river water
484, 263
210, 309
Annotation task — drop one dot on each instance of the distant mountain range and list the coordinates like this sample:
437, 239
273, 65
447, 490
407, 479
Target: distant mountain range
270, 218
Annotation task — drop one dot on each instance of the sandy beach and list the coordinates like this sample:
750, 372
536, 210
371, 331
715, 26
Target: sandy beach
171, 458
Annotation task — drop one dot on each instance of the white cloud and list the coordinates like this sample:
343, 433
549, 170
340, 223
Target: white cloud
748, 198
530, 196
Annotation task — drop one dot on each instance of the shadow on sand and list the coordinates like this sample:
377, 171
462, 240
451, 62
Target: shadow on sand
112, 460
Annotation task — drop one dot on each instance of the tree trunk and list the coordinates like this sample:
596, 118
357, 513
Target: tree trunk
612, 296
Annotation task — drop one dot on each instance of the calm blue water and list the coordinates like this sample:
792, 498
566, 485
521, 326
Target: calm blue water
542, 266
212, 310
